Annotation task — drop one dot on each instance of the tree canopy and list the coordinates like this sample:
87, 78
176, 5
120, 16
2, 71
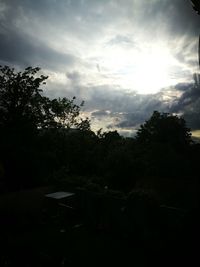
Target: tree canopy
23, 105
164, 128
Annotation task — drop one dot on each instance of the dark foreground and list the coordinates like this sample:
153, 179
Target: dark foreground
31, 235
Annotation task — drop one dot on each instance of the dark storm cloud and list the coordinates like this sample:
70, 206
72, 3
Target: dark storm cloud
119, 100
188, 104
21, 47
133, 119
141, 109
183, 86
188, 100
22, 50
131, 110
126, 109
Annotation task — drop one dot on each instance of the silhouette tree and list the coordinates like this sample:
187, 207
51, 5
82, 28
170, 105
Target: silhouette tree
164, 128
23, 105
26, 116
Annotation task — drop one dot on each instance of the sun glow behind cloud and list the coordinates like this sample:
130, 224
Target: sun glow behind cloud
145, 70
110, 47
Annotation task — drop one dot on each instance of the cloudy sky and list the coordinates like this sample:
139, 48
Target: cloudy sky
124, 58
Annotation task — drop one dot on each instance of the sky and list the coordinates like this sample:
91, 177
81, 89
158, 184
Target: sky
124, 58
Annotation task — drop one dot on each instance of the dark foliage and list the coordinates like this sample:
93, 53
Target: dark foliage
26, 116
164, 128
